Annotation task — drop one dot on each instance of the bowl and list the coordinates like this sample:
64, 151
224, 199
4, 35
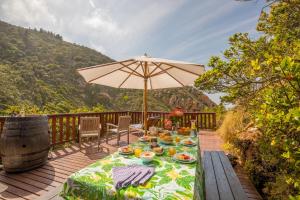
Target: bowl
147, 156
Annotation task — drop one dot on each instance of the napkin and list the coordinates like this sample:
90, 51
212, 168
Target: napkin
131, 175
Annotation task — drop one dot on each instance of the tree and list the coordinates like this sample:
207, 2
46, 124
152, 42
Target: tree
263, 76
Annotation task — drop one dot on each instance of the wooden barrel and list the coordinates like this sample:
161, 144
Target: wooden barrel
24, 143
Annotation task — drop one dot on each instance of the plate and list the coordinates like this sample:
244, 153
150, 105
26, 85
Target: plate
124, 153
188, 145
191, 160
166, 142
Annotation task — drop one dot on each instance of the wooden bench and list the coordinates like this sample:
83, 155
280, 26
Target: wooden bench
221, 182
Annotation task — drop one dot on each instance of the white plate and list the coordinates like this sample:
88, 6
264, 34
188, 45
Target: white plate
192, 160
188, 145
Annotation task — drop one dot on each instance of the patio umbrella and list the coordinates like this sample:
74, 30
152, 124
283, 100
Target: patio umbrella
145, 73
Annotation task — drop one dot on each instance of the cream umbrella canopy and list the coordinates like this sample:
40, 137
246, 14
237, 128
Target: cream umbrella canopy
145, 73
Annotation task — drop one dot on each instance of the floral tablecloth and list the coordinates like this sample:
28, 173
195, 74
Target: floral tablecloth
172, 180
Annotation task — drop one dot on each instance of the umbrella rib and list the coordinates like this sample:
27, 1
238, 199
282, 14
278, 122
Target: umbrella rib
183, 69
129, 76
109, 72
154, 69
161, 72
142, 67
103, 65
169, 74
131, 69
135, 74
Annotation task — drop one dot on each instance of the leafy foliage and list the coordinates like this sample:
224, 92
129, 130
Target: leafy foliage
38, 68
263, 77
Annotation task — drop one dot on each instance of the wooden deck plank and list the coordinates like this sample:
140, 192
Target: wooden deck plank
66, 165
47, 176
61, 171
7, 195
41, 179
51, 165
18, 190
24, 186
52, 173
22, 179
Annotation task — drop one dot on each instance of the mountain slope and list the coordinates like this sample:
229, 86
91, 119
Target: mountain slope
39, 68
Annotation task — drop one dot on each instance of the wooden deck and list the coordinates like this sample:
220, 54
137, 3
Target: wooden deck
41, 183
46, 181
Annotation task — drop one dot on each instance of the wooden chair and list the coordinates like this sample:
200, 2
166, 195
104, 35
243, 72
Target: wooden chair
89, 127
121, 128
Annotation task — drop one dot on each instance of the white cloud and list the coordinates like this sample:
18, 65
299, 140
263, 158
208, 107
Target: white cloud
112, 26
28, 12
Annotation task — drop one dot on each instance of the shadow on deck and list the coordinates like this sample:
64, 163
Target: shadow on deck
45, 181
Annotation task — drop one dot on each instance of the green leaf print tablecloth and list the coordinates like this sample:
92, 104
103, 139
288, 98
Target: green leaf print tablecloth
172, 180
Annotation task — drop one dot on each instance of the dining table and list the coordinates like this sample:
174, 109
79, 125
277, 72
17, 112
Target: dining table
172, 179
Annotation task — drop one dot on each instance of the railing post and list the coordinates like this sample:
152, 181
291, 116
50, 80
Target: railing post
67, 128
61, 129
53, 131
73, 128
214, 121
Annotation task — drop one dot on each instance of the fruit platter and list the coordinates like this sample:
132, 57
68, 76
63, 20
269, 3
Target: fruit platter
184, 158
127, 150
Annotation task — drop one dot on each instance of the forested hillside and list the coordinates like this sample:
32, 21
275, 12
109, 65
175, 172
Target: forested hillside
38, 69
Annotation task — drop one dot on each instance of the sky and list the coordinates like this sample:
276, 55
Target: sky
188, 30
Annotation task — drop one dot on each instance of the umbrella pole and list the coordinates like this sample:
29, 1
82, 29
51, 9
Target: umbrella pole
145, 106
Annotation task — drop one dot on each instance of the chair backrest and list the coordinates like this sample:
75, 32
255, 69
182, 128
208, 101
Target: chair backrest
124, 122
152, 121
89, 124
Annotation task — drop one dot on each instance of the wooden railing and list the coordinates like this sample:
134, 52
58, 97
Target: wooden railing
64, 127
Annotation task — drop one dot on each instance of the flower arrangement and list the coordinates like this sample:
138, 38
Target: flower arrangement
174, 117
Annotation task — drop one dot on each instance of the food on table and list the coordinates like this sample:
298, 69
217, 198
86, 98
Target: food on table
171, 151
183, 157
146, 138
126, 149
147, 156
162, 135
138, 152
188, 142
158, 150
184, 131
167, 139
